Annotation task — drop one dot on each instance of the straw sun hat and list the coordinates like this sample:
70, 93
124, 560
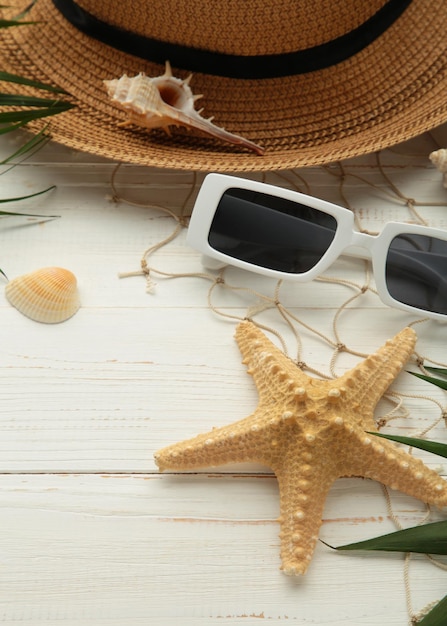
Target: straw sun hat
311, 81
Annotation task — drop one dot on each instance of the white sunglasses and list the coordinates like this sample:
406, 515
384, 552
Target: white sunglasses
288, 235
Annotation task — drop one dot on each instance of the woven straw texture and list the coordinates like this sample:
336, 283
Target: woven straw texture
392, 90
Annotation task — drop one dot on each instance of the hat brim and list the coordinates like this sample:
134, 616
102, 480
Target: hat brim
391, 91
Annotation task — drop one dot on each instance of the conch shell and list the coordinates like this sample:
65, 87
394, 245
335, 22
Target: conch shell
47, 295
166, 101
439, 159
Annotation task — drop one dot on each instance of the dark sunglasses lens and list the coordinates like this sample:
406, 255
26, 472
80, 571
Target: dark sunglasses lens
416, 272
270, 232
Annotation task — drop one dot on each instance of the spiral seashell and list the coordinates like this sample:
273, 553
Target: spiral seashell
48, 295
166, 101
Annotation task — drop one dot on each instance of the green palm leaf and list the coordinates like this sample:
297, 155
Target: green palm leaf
28, 147
430, 446
31, 195
437, 616
23, 117
426, 539
36, 107
430, 379
437, 370
9, 23
10, 99
21, 80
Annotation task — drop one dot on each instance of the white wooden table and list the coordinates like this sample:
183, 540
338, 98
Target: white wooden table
90, 532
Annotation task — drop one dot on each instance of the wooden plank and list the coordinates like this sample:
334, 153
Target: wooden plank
204, 549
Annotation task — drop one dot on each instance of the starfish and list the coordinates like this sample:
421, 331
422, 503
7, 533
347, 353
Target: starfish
310, 432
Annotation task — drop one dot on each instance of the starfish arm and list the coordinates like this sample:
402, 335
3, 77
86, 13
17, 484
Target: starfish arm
385, 462
367, 382
270, 368
242, 441
302, 501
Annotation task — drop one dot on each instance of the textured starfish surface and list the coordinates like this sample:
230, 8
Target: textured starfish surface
311, 432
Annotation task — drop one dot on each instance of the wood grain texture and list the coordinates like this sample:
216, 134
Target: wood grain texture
91, 533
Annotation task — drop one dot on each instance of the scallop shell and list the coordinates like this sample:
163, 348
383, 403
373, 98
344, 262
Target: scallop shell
165, 101
47, 295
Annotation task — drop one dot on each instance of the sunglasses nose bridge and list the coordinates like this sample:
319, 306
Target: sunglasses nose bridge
360, 245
